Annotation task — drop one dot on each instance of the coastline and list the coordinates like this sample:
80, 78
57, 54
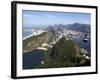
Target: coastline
28, 36
26, 51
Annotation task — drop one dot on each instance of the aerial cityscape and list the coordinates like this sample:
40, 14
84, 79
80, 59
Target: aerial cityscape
56, 39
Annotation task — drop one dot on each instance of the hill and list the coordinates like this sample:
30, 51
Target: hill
33, 42
75, 26
79, 27
65, 53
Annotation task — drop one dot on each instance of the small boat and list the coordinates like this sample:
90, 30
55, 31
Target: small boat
85, 39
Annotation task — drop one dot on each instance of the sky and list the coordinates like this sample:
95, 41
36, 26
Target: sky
32, 18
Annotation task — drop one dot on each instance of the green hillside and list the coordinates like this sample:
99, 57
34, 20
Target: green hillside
64, 54
33, 42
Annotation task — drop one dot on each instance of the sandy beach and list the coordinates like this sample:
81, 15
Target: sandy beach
28, 36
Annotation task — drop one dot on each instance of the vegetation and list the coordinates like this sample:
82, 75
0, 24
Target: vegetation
33, 42
64, 54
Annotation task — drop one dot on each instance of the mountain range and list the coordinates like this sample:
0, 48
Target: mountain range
75, 26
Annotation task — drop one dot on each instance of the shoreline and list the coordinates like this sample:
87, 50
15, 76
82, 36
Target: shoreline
27, 51
28, 36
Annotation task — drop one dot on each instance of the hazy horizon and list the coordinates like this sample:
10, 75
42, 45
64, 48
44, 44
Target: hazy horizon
45, 18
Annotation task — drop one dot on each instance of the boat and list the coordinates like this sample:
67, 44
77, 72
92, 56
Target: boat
85, 39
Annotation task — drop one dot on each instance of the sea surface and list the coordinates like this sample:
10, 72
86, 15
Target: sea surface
26, 32
86, 45
32, 59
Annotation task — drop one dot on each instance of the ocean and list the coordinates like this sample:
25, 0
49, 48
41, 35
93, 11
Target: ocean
26, 32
